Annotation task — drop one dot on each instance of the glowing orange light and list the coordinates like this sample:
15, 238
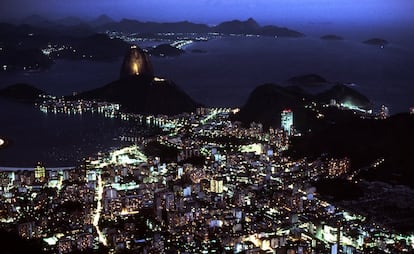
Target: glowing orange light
135, 68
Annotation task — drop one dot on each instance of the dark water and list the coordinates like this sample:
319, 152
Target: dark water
224, 76
66, 77
56, 140
233, 67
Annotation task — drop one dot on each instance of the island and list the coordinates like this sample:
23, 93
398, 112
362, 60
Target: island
332, 37
376, 42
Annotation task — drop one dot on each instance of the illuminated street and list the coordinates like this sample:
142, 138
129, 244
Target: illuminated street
99, 192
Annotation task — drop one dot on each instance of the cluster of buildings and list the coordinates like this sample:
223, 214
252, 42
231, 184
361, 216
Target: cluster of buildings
55, 49
51, 104
178, 40
229, 189
382, 113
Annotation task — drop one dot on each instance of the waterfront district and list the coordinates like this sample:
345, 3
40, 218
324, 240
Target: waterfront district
211, 186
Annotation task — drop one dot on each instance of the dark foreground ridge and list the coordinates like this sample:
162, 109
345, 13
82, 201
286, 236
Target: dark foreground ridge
364, 141
12, 243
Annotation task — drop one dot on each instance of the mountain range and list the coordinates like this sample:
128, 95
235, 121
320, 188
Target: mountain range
104, 23
249, 26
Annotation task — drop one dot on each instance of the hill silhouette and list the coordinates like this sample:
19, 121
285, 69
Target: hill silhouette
95, 47
135, 26
344, 94
266, 102
101, 20
138, 94
136, 62
250, 26
308, 79
238, 27
22, 92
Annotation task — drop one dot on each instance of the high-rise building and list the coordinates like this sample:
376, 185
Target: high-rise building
287, 120
40, 173
384, 113
216, 185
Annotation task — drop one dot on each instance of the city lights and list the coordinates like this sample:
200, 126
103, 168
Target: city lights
304, 167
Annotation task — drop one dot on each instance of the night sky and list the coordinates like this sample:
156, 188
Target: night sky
213, 11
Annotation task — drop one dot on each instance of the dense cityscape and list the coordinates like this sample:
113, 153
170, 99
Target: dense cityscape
213, 186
